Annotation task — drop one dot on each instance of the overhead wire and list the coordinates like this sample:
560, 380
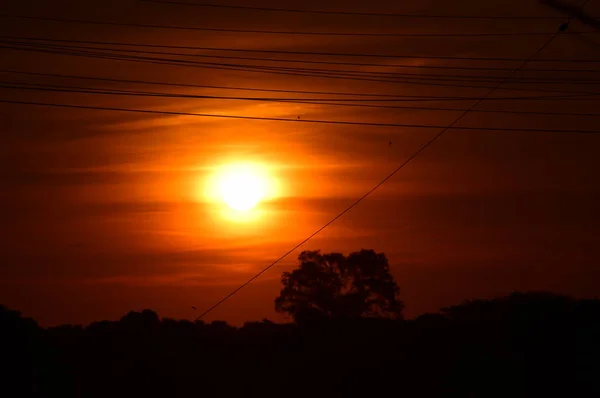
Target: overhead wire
189, 85
37, 40
76, 89
310, 101
250, 68
352, 13
315, 53
222, 66
341, 72
279, 32
291, 120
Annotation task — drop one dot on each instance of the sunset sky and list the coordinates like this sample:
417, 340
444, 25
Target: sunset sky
105, 212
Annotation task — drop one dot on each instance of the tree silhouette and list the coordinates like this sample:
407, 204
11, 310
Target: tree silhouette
332, 285
530, 344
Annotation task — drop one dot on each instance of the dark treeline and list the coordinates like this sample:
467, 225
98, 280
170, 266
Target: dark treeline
526, 344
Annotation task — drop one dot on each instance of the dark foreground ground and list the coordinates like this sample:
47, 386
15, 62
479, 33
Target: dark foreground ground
524, 345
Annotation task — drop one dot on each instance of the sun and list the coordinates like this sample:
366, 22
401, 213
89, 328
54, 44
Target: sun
241, 188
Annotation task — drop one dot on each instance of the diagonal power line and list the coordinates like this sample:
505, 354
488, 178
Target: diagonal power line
382, 182
574, 11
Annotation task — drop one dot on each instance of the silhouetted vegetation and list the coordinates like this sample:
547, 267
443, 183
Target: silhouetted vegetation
523, 345
335, 286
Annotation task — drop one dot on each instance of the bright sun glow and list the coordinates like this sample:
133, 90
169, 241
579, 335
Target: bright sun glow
242, 186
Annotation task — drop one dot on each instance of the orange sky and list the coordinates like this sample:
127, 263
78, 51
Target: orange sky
101, 212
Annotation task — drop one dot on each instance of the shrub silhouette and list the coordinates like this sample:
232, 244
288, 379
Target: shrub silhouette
332, 285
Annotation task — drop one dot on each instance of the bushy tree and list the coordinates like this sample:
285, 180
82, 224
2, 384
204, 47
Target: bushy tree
336, 286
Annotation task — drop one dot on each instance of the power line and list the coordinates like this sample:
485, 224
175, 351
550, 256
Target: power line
369, 192
251, 68
218, 87
342, 72
246, 88
87, 90
188, 85
113, 80
309, 101
276, 119
274, 32
416, 98
574, 11
313, 53
351, 13
18, 40
230, 67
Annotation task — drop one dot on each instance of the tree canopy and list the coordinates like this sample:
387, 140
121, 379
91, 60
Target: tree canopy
336, 286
